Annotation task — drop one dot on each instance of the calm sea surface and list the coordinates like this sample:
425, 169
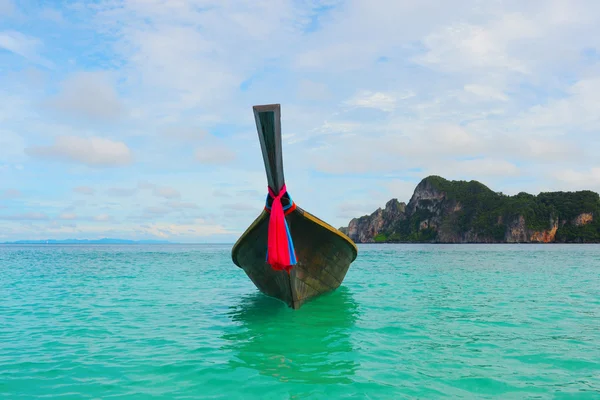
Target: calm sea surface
409, 321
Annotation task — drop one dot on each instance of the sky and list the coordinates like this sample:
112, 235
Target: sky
133, 118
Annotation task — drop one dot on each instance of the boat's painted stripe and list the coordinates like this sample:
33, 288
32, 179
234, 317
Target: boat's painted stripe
265, 215
291, 248
289, 210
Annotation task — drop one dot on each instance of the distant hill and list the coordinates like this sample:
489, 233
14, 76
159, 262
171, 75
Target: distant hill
442, 211
89, 241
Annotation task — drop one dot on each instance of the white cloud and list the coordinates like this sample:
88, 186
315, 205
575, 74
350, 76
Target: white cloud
178, 205
378, 28
235, 207
447, 139
310, 90
336, 127
103, 218
464, 46
377, 100
221, 193
67, 216
146, 185
11, 146
347, 211
30, 216
23, 45
84, 190
580, 179
184, 134
166, 192
215, 155
170, 57
199, 228
121, 192
193, 230
401, 189
485, 92
550, 150
89, 94
93, 152
477, 169
156, 211
371, 151
577, 110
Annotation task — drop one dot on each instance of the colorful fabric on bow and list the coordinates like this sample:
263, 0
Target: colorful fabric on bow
281, 254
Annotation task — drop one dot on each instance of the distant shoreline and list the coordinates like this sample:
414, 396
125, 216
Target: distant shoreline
87, 241
369, 243
104, 243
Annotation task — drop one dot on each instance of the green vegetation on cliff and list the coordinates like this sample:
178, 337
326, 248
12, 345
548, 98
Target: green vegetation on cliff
470, 211
482, 207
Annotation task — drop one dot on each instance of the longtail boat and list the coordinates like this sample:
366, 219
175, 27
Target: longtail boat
287, 252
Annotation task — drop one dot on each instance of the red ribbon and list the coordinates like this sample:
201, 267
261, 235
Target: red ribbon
278, 251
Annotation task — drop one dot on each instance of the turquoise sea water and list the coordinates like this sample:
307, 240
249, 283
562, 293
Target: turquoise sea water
410, 321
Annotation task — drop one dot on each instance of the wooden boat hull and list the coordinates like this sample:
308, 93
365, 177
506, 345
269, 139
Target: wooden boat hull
324, 255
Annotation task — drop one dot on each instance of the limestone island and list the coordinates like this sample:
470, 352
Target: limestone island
443, 211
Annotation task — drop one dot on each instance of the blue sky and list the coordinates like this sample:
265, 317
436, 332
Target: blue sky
133, 119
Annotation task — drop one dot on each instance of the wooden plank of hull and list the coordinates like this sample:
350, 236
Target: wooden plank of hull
324, 255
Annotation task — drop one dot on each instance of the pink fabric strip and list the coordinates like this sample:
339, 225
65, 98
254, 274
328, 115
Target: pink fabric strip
278, 252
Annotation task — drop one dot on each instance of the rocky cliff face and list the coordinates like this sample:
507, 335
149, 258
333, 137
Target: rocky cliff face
365, 229
519, 233
583, 219
442, 211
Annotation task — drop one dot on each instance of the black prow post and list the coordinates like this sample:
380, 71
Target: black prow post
268, 124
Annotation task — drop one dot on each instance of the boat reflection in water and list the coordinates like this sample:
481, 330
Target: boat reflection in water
310, 345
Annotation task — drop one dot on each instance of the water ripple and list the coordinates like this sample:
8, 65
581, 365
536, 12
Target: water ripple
410, 321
